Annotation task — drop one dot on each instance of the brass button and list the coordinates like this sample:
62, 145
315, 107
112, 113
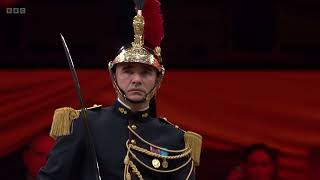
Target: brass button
133, 141
134, 127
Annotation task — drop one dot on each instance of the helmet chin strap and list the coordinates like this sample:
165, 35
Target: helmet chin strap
145, 98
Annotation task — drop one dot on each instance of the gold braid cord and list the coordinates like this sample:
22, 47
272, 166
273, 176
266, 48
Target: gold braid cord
186, 152
150, 144
147, 152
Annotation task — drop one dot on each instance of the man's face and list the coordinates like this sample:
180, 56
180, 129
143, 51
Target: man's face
259, 166
135, 79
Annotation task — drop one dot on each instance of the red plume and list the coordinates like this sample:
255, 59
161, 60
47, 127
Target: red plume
153, 28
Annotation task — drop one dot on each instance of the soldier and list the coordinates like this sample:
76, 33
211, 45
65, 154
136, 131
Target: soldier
126, 141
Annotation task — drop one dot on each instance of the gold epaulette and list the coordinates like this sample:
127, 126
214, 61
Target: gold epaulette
63, 118
192, 140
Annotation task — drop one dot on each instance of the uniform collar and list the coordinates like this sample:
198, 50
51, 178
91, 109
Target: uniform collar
126, 112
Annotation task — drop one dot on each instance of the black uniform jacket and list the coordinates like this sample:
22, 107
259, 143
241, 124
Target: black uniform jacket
71, 159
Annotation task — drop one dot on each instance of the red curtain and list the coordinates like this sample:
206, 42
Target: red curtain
231, 109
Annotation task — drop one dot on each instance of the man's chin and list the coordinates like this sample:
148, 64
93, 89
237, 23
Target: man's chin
136, 98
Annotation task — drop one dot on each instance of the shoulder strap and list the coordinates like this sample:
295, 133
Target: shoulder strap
165, 120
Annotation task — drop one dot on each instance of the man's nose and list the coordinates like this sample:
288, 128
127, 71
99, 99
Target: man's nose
136, 78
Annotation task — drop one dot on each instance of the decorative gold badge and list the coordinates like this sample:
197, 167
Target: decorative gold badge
144, 115
156, 163
122, 110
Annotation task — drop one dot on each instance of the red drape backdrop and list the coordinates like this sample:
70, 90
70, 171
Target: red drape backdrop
231, 109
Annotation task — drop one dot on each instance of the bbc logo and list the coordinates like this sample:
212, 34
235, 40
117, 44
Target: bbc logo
16, 10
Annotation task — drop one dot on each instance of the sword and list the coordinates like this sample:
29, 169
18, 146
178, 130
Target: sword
90, 144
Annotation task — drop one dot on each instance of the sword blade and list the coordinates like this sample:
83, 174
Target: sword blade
73, 72
90, 146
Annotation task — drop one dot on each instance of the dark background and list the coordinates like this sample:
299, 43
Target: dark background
198, 34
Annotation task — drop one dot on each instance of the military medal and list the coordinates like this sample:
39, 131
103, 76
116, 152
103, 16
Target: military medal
155, 150
156, 163
164, 163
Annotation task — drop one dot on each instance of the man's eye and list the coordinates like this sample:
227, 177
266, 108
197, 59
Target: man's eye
128, 71
146, 72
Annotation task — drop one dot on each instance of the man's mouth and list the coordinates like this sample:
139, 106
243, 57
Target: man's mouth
136, 90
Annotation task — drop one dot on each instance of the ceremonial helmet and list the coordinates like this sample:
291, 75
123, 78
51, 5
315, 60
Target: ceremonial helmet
145, 49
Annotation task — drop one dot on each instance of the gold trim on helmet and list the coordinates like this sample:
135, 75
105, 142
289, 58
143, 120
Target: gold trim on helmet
137, 55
